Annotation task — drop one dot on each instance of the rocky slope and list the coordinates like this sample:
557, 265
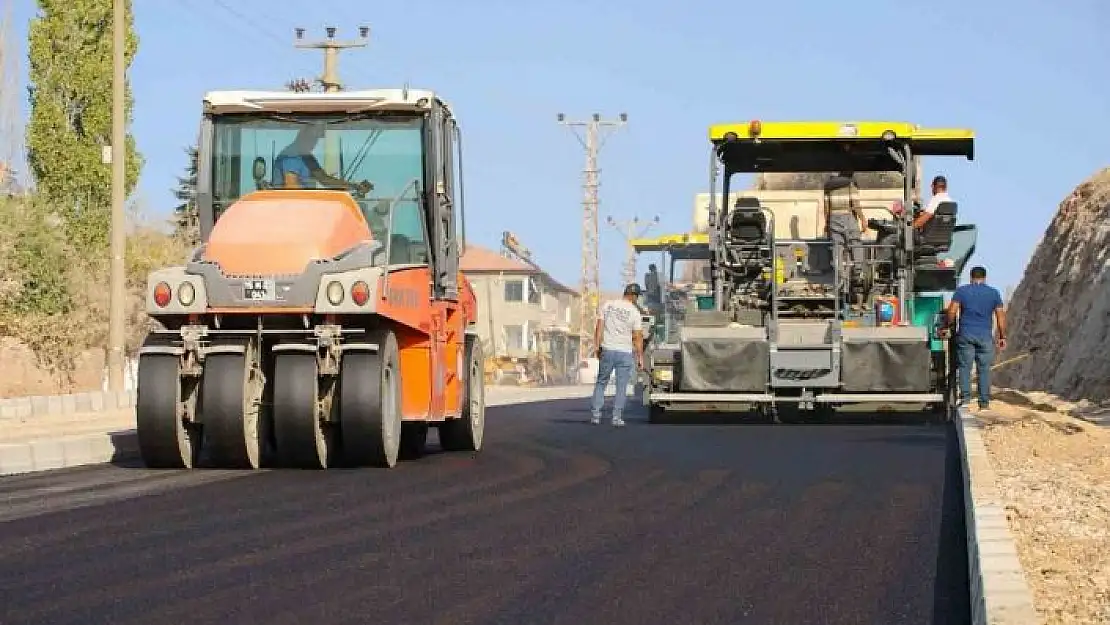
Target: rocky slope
1062, 304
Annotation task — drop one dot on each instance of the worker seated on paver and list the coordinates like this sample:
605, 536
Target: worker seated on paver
940, 195
295, 167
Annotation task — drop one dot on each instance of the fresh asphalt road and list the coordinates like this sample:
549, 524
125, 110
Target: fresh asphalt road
556, 521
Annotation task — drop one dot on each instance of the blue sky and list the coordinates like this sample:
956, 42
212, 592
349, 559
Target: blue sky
1028, 76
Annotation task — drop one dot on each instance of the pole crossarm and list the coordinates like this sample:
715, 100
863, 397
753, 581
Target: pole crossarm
331, 47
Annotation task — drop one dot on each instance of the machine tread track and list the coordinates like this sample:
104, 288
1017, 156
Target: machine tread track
165, 440
231, 393
466, 432
301, 439
370, 403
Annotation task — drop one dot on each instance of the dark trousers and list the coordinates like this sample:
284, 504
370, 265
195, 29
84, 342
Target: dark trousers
980, 351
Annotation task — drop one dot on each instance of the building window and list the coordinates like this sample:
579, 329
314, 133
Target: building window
566, 315
534, 294
514, 337
514, 291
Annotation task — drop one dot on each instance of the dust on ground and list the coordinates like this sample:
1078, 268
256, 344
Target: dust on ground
1053, 472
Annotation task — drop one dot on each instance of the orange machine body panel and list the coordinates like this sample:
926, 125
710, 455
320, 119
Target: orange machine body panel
279, 232
431, 340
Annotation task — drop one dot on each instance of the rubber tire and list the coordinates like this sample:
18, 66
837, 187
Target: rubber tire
299, 435
232, 437
466, 432
657, 414
370, 403
165, 441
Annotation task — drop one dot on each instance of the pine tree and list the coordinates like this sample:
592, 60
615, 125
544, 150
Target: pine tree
186, 218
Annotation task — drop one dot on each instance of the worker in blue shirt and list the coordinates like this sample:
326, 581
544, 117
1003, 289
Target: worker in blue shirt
976, 306
295, 166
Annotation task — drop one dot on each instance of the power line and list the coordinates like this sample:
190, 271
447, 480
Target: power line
261, 29
631, 229
591, 260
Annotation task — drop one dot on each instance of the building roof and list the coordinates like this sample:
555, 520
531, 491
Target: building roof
477, 259
480, 259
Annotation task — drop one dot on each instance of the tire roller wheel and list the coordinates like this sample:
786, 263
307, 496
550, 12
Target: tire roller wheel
166, 441
231, 397
466, 432
370, 403
302, 440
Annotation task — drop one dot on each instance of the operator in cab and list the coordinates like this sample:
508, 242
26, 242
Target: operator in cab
940, 194
296, 168
890, 232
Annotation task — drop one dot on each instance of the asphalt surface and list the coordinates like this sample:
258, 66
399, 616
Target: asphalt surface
556, 521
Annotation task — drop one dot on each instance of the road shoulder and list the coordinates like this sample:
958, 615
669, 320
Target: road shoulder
999, 589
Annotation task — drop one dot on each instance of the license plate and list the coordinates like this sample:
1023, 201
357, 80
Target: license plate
260, 290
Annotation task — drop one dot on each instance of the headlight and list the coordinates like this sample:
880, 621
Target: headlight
186, 294
335, 293
663, 375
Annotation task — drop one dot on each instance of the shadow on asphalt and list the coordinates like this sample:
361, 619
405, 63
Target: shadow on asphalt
951, 595
636, 413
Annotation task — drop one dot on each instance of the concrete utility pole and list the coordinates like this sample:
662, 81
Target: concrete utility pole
330, 78
631, 229
591, 260
117, 284
331, 47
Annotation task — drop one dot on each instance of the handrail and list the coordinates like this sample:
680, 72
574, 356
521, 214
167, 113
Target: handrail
415, 183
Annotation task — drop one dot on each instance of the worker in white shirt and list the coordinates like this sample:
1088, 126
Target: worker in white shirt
940, 194
619, 338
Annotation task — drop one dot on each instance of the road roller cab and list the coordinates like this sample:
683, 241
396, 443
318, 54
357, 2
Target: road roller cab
324, 318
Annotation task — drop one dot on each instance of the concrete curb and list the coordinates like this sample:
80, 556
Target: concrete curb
1000, 592
74, 403
72, 451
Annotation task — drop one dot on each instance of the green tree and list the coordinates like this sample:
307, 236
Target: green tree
71, 113
186, 220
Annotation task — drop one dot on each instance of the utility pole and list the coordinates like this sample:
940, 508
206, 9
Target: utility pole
631, 229
118, 153
330, 78
591, 260
10, 140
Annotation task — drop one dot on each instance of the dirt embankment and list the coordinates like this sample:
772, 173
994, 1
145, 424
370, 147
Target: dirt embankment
1061, 308
1054, 474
